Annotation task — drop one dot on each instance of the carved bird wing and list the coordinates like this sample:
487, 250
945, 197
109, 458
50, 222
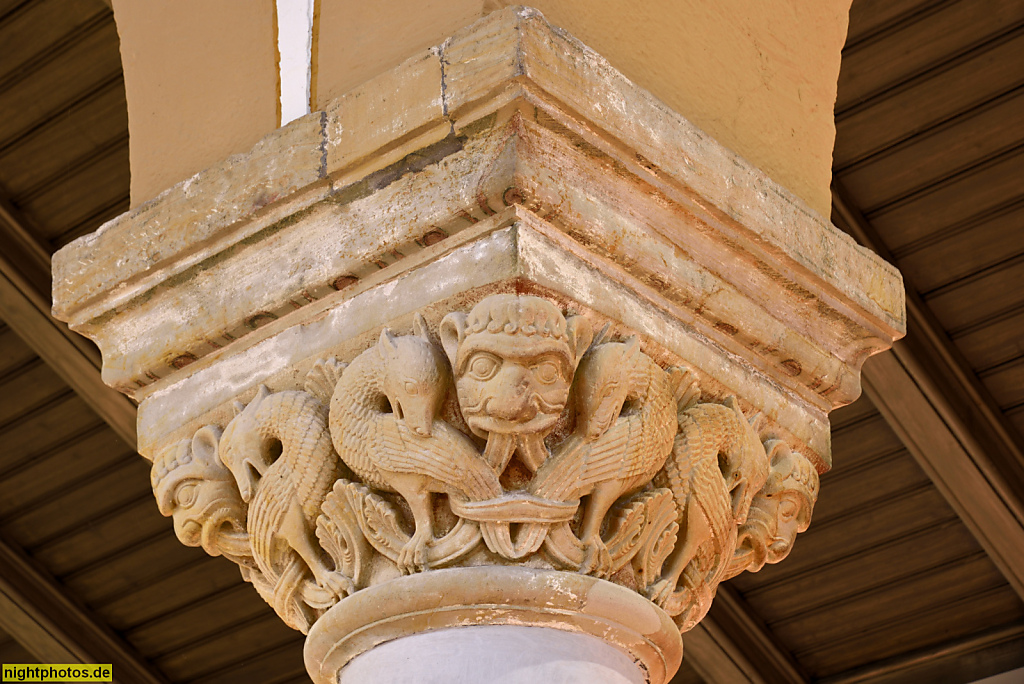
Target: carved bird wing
608, 457
446, 456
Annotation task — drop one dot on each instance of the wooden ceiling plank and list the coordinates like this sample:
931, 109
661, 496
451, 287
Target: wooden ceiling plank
949, 422
732, 617
928, 102
924, 629
716, 658
53, 628
26, 310
912, 666
931, 39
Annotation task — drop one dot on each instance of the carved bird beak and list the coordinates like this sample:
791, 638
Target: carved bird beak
420, 422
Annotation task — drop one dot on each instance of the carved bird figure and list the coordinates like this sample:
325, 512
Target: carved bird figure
625, 422
384, 424
279, 449
716, 467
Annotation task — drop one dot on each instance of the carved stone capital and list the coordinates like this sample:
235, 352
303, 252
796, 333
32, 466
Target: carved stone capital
539, 353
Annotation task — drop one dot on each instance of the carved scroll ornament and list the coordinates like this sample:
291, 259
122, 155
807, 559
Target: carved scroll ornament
560, 451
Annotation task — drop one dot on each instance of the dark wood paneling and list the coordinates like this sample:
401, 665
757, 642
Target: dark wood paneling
942, 622
995, 343
14, 653
283, 663
42, 478
75, 132
31, 34
983, 133
974, 192
199, 580
198, 620
874, 16
1006, 383
848, 578
66, 205
957, 581
90, 498
981, 297
931, 99
47, 428
686, 674
103, 536
944, 258
871, 66
87, 62
265, 632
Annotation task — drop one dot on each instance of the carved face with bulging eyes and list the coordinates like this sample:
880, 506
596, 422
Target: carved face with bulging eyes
194, 488
514, 358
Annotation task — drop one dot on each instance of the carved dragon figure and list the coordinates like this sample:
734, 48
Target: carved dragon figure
384, 425
284, 494
716, 467
626, 422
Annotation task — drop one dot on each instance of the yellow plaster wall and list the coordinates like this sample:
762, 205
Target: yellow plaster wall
201, 81
760, 76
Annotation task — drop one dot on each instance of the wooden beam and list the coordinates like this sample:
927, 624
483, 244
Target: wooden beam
38, 614
948, 421
731, 645
24, 270
715, 657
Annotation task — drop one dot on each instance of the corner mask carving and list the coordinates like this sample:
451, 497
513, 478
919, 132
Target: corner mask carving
581, 455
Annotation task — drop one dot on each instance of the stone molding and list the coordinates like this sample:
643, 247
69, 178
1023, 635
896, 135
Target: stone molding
497, 313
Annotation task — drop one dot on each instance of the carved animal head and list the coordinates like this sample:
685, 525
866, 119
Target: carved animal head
780, 510
514, 357
194, 488
607, 377
416, 376
744, 464
243, 448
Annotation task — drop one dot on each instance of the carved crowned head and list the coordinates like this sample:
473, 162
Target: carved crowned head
416, 376
514, 357
194, 488
780, 510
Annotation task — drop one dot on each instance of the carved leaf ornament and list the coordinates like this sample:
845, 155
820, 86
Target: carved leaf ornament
584, 455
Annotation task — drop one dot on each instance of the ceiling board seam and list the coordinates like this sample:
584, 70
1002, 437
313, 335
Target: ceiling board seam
72, 168
55, 50
958, 119
777, 582
897, 23
943, 182
80, 525
899, 622
41, 124
931, 71
971, 222
900, 580
929, 128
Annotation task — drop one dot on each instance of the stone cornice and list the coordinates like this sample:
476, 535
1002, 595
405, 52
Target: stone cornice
494, 116
496, 339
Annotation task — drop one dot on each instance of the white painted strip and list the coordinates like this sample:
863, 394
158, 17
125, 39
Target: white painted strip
294, 45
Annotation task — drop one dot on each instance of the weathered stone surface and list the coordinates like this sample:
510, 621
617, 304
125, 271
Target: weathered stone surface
524, 348
161, 237
657, 159
381, 112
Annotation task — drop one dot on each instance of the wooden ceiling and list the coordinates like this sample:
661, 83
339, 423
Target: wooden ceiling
908, 572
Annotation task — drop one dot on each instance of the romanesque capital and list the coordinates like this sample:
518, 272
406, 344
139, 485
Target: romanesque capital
536, 353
